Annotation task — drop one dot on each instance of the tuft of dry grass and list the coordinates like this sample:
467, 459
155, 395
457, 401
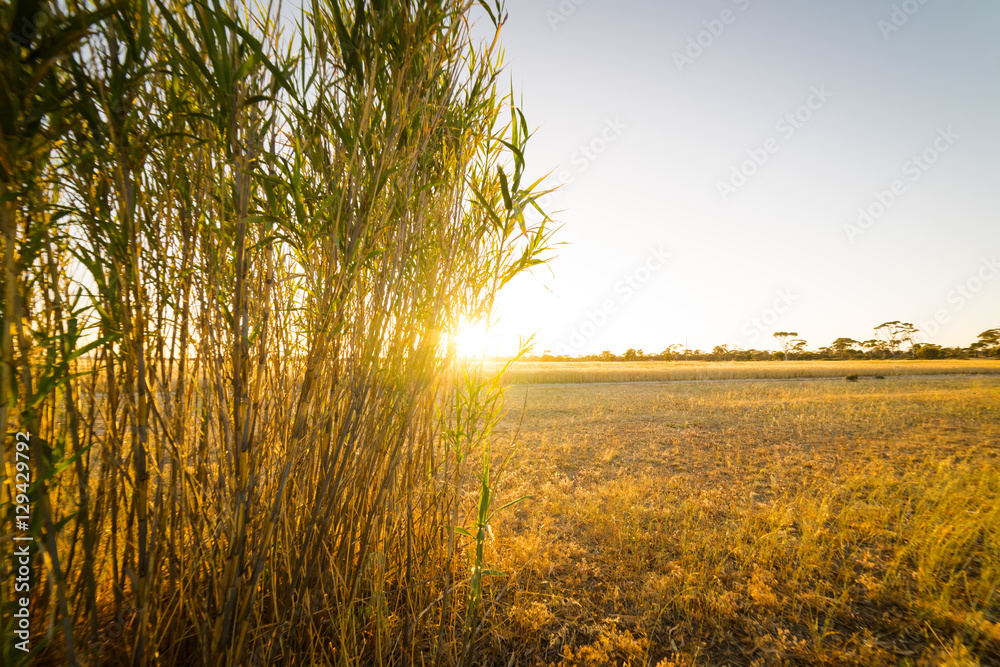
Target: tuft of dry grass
754, 523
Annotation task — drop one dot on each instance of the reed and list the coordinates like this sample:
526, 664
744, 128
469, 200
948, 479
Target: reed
232, 259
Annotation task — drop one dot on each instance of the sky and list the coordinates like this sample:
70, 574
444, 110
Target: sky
733, 168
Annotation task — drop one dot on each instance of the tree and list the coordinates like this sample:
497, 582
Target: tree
669, 353
798, 346
874, 346
630, 354
896, 333
842, 345
787, 340
607, 356
988, 343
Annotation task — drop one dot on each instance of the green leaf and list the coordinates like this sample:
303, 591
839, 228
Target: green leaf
504, 189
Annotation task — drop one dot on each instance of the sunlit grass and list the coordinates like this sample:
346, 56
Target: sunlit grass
557, 372
757, 523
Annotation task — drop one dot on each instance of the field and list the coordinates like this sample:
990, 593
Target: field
657, 371
751, 523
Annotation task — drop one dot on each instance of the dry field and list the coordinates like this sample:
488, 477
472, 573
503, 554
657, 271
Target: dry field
751, 523
656, 371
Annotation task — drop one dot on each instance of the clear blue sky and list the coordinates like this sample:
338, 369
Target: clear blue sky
742, 138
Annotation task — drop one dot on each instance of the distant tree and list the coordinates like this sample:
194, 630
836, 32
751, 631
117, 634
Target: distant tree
909, 335
842, 345
875, 347
607, 356
895, 333
786, 339
927, 351
669, 354
988, 343
630, 354
798, 346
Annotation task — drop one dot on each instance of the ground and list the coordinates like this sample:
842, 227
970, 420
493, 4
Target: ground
750, 523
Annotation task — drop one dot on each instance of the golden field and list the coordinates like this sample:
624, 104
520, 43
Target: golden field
751, 523
546, 372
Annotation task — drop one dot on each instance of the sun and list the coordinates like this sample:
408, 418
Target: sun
486, 339
481, 341
472, 340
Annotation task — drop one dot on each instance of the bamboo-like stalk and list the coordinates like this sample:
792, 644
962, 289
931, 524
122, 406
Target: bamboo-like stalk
272, 250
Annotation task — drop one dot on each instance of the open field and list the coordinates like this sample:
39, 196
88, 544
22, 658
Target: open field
549, 372
752, 523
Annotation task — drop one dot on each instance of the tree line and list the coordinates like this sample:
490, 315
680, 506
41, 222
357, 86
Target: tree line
892, 340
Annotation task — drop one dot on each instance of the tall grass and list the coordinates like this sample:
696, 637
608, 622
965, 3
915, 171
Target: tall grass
231, 259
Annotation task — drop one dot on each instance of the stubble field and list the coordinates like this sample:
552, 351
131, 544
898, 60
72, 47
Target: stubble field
561, 372
751, 523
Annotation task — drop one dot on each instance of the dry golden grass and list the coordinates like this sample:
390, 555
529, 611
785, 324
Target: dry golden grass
752, 523
549, 372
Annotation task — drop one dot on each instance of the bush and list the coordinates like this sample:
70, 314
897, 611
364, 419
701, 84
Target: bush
927, 352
